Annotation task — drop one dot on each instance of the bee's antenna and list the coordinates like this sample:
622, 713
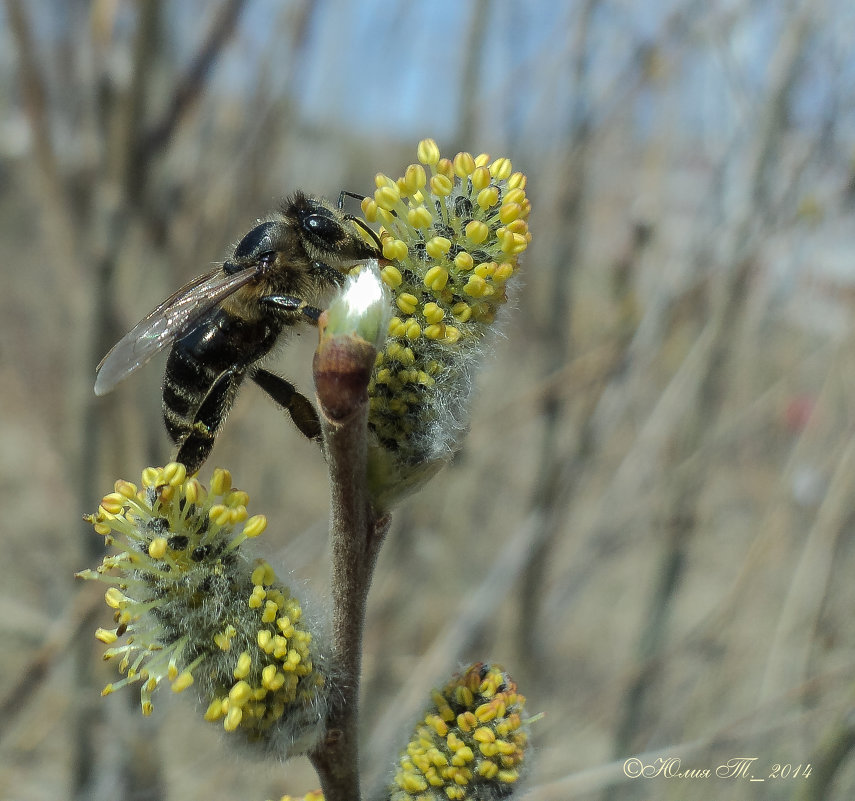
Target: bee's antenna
344, 194
357, 220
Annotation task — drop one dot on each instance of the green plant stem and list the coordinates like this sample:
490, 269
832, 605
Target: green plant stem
356, 535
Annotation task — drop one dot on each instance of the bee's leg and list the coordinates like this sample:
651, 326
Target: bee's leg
285, 394
289, 303
197, 445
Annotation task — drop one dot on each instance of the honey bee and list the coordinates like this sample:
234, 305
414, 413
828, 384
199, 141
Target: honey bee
222, 324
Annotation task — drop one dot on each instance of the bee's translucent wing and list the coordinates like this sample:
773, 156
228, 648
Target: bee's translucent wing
175, 317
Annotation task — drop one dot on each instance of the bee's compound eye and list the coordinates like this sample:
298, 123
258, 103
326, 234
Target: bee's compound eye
323, 227
257, 241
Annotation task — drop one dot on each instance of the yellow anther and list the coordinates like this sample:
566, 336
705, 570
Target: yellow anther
437, 247
419, 217
147, 708
446, 168
463, 261
435, 331
509, 212
487, 769
480, 179
214, 710
182, 682
441, 185
222, 641
264, 638
391, 275
427, 151
462, 755
174, 474
157, 548
243, 666
113, 503
239, 694
151, 476
411, 783
508, 776
276, 681
503, 272
488, 749
475, 287
257, 597
387, 197
280, 646
414, 330
407, 303
257, 576
236, 498
501, 169
487, 198
432, 312
125, 488
519, 226
233, 718
437, 724
514, 196
477, 231
407, 356
106, 636
396, 327
513, 244
414, 178
466, 721
221, 481
505, 748
271, 611
517, 180
395, 250
482, 159
115, 598
220, 514
194, 492
462, 311
269, 574
369, 209
485, 269
464, 164
436, 278
254, 526
483, 734
452, 335
486, 712
237, 514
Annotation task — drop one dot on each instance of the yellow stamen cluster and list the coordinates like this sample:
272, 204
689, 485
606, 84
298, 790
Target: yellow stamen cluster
278, 671
191, 609
453, 231
470, 744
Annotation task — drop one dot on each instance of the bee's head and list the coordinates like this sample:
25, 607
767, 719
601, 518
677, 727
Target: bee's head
327, 235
